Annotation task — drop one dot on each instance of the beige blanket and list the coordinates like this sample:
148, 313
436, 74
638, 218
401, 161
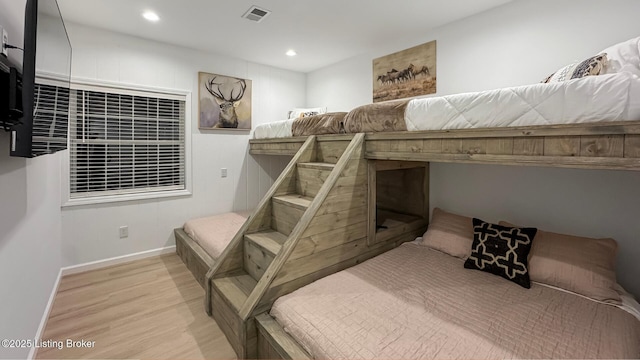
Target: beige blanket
329, 123
417, 303
214, 233
382, 116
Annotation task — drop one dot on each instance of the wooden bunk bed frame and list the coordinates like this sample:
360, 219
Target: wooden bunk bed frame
613, 146
195, 258
607, 145
314, 221
325, 211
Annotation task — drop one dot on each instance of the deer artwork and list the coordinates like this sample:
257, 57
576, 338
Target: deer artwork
228, 104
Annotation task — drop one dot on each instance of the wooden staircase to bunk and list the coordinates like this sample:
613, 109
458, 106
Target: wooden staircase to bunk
314, 221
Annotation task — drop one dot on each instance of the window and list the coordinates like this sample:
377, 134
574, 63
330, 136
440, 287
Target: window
125, 143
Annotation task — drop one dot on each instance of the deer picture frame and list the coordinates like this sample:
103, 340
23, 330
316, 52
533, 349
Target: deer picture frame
224, 102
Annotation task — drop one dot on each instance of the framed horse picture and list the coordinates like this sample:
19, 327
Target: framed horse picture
407, 73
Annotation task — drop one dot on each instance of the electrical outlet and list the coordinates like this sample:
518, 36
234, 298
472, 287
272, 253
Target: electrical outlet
124, 232
223, 172
5, 40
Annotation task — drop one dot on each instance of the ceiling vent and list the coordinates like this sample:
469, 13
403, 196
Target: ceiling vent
256, 14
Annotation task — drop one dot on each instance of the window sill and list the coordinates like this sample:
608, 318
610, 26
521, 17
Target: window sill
124, 198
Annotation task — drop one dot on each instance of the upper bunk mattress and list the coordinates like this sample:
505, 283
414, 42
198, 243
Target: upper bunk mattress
417, 303
614, 97
214, 233
273, 130
603, 98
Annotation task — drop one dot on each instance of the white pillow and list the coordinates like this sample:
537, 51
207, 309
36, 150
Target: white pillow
304, 112
624, 56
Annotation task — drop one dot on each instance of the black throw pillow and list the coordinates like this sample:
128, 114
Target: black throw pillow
501, 250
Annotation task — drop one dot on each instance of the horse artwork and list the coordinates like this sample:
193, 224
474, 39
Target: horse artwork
224, 102
407, 73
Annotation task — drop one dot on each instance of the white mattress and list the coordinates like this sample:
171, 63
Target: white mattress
612, 97
273, 130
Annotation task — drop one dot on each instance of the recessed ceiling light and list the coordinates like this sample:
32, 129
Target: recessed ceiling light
151, 16
292, 53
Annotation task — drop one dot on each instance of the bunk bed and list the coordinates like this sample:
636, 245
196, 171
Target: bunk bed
420, 300
592, 122
415, 302
358, 186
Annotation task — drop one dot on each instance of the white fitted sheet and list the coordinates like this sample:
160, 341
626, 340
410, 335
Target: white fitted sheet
273, 130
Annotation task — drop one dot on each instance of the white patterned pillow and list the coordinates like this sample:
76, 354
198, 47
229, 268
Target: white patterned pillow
592, 66
304, 112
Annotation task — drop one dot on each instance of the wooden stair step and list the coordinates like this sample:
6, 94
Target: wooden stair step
270, 241
236, 288
311, 176
317, 165
297, 201
286, 211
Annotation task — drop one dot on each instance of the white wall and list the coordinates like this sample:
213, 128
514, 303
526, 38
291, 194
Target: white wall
518, 43
37, 238
30, 226
91, 232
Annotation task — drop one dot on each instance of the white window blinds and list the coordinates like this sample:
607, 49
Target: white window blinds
50, 118
125, 144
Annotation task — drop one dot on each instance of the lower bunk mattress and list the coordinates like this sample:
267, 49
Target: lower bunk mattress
603, 98
214, 233
414, 302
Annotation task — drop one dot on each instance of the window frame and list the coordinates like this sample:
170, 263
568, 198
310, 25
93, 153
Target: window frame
133, 90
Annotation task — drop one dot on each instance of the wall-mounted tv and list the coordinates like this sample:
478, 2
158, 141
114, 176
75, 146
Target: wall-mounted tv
11, 94
46, 71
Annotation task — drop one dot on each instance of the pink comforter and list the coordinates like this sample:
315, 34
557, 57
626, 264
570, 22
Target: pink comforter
214, 233
417, 303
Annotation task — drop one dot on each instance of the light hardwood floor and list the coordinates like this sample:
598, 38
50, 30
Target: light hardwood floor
146, 309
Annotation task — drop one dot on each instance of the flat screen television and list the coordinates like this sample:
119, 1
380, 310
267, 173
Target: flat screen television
11, 98
46, 72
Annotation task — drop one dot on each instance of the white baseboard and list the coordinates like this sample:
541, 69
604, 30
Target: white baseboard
45, 316
94, 265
